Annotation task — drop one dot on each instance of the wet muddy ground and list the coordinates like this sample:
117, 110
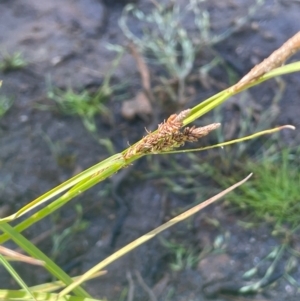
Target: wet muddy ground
65, 41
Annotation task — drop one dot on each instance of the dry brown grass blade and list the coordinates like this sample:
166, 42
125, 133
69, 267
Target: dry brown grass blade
143, 70
141, 240
13, 255
130, 294
276, 59
145, 287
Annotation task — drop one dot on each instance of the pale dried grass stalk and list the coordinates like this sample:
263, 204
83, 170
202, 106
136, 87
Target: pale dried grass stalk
276, 59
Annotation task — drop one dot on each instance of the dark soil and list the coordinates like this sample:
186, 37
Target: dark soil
65, 41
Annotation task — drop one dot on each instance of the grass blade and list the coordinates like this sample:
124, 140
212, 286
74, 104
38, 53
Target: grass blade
21, 295
31, 249
147, 237
15, 275
55, 285
15, 256
114, 163
222, 96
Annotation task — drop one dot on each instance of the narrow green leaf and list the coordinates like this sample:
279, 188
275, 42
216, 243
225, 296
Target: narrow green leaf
85, 184
31, 249
222, 96
112, 162
55, 285
207, 105
15, 275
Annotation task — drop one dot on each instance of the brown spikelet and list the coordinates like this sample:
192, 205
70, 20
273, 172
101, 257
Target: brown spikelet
193, 134
182, 115
169, 136
276, 59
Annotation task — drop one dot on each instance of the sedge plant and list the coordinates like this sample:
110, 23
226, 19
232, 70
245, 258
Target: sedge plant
169, 136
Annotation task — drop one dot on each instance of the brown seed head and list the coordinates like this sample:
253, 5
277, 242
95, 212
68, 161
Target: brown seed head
169, 136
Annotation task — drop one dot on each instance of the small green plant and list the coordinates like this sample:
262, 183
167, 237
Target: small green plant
274, 191
182, 256
82, 104
13, 61
165, 39
5, 104
166, 42
272, 259
85, 104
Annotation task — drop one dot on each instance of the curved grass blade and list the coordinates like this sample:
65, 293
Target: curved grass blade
55, 285
147, 237
15, 275
76, 190
31, 249
206, 106
114, 163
